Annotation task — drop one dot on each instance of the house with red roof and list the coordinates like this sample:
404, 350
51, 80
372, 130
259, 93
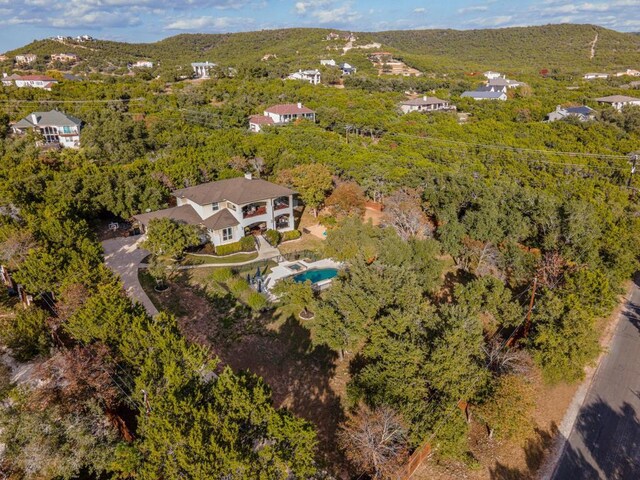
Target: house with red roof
281, 115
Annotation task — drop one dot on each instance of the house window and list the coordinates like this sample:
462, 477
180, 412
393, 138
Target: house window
215, 207
227, 234
66, 129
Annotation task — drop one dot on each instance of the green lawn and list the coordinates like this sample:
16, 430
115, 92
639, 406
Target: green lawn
237, 258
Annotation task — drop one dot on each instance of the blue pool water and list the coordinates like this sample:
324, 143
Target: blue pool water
316, 275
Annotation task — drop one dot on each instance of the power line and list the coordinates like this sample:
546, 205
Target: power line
516, 149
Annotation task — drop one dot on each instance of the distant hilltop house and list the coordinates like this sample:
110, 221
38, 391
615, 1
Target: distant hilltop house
64, 57
483, 95
203, 69
425, 104
332, 36
56, 128
142, 64
504, 82
311, 76
629, 72
230, 209
619, 101
491, 75
347, 69
26, 59
83, 38
29, 81
281, 115
594, 76
582, 113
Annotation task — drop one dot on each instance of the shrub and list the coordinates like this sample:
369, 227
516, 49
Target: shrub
222, 275
272, 236
246, 244
256, 301
238, 286
290, 235
26, 334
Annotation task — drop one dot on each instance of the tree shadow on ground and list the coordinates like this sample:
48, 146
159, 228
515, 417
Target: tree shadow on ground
535, 450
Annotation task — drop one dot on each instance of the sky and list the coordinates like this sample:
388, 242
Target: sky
22, 21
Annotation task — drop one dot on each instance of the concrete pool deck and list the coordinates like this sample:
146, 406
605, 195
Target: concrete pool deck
289, 269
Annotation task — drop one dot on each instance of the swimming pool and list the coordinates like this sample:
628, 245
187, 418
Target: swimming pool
316, 275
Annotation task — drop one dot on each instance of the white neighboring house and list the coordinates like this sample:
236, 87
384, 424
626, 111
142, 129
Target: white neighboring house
425, 104
328, 63
142, 64
619, 101
481, 95
231, 209
347, 69
30, 81
203, 69
491, 75
55, 127
26, 58
629, 72
595, 76
311, 76
281, 115
64, 57
504, 82
582, 113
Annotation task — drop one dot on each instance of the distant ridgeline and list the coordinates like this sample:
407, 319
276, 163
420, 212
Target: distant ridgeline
566, 48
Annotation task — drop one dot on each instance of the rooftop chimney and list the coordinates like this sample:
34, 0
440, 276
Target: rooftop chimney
248, 175
424, 98
299, 104
34, 118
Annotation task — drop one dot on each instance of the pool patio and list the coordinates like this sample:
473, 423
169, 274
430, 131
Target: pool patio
288, 269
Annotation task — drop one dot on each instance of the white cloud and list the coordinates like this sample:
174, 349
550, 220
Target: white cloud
339, 16
304, 7
206, 22
473, 8
419, 10
497, 21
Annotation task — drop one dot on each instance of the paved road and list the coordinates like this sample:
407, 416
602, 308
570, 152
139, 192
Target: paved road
605, 441
123, 256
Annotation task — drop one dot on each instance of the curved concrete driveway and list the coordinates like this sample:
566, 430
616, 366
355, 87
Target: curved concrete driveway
123, 256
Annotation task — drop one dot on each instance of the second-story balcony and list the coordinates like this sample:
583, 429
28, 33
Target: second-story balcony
254, 210
280, 203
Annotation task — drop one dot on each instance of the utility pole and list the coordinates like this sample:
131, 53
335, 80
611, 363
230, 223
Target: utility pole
633, 160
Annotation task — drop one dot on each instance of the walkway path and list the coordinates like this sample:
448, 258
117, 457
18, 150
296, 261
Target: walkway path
123, 256
265, 252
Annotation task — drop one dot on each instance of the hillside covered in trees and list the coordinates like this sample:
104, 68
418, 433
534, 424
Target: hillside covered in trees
429, 313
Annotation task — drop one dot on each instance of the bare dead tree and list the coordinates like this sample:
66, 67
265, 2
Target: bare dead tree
403, 211
15, 247
551, 270
374, 440
503, 360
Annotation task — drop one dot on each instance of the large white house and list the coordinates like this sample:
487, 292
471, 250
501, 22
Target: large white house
281, 115
231, 209
203, 69
311, 76
619, 101
425, 104
30, 81
55, 127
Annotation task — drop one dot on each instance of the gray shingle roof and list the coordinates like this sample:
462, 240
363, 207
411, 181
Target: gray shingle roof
222, 219
476, 94
617, 99
45, 119
183, 214
424, 101
238, 190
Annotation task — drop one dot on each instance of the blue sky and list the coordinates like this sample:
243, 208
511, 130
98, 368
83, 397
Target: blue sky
147, 20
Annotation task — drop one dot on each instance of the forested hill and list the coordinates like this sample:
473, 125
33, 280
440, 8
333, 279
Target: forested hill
566, 48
